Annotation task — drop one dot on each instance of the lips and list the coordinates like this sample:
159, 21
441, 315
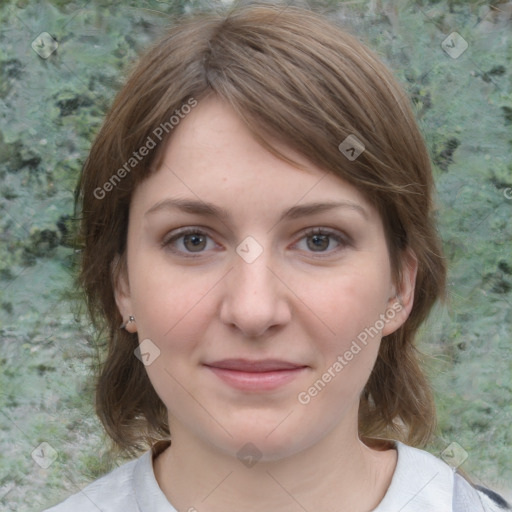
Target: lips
256, 376
256, 366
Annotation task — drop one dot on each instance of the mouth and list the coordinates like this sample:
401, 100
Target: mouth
256, 375
256, 366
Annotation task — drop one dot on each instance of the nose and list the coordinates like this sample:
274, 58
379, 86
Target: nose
255, 300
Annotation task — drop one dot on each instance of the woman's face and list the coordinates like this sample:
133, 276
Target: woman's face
234, 254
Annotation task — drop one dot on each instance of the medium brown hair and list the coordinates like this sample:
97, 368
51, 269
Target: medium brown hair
295, 77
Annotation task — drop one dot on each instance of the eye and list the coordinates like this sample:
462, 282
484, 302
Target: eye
321, 240
188, 241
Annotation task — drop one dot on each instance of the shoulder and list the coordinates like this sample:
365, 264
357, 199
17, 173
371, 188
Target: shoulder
110, 493
466, 494
131, 487
424, 482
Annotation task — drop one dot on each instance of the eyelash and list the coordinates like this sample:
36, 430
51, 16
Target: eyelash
343, 241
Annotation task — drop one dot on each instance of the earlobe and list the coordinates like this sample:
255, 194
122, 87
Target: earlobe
119, 276
401, 302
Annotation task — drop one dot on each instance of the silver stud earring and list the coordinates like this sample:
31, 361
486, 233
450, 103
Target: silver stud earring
131, 318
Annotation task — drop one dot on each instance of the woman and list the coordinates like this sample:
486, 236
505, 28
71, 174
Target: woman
257, 217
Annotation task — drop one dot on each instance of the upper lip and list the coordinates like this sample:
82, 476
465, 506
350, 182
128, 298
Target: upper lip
261, 365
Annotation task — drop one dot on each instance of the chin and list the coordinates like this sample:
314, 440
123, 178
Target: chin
266, 444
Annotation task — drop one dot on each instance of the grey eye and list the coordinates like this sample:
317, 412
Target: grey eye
195, 242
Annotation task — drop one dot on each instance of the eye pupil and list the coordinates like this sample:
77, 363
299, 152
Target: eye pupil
319, 242
198, 242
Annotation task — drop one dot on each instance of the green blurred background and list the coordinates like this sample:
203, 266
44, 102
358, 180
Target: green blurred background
51, 105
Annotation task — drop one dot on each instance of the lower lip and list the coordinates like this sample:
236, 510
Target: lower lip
256, 381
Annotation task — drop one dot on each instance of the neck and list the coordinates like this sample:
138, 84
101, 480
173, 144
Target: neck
338, 472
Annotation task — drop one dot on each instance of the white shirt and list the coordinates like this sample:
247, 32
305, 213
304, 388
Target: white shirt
420, 483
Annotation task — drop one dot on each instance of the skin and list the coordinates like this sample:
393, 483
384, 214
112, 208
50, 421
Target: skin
295, 302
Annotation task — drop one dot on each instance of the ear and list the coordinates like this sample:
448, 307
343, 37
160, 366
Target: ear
402, 298
119, 275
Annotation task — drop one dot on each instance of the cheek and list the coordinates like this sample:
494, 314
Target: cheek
174, 309
347, 357
350, 303
167, 298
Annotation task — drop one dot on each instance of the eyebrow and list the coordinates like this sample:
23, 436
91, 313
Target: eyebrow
211, 210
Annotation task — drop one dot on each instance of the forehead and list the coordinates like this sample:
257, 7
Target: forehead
212, 157
212, 135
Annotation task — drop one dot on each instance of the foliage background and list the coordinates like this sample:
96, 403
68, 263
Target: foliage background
50, 110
